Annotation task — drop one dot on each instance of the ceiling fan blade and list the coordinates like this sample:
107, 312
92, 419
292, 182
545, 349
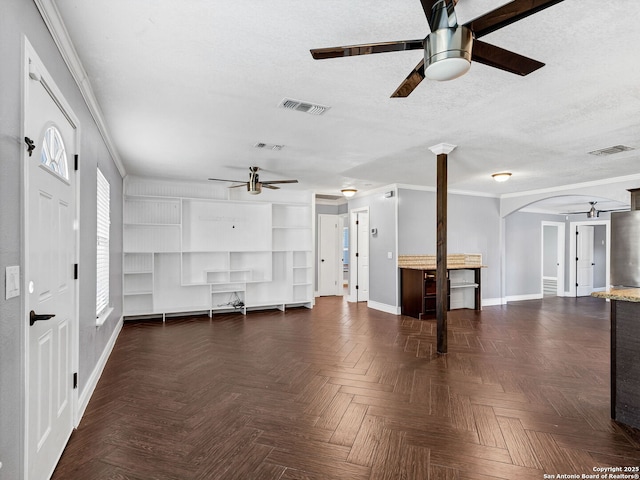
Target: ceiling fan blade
224, 180
411, 82
271, 182
427, 6
245, 184
270, 186
506, 15
366, 49
503, 59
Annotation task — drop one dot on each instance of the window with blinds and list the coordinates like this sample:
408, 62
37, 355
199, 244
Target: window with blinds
102, 247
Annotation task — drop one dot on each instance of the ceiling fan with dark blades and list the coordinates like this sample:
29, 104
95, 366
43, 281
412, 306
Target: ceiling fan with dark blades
450, 47
254, 185
593, 212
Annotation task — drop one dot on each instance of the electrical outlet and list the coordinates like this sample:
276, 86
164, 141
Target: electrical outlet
12, 282
389, 254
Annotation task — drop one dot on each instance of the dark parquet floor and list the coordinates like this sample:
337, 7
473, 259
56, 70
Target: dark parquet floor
345, 392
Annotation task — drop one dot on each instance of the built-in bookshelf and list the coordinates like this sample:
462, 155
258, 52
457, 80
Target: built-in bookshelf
185, 253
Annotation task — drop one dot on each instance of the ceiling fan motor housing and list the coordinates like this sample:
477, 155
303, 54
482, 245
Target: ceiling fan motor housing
447, 53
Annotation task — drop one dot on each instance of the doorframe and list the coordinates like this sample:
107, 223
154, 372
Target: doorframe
560, 256
353, 263
29, 55
338, 251
572, 252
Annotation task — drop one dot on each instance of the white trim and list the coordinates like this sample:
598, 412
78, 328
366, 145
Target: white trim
442, 148
572, 186
469, 193
100, 319
518, 298
383, 307
92, 381
561, 243
353, 248
491, 302
56, 27
572, 252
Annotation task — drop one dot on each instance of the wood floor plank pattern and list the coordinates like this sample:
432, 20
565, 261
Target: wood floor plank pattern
345, 392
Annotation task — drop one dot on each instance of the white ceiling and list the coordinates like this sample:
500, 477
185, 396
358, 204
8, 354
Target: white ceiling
187, 88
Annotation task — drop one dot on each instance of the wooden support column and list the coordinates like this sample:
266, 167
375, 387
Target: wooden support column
442, 290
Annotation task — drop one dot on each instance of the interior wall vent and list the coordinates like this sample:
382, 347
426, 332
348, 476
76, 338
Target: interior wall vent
611, 150
268, 146
306, 107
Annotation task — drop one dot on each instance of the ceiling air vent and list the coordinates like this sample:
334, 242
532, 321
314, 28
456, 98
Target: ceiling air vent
306, 107
611, 150
268, 146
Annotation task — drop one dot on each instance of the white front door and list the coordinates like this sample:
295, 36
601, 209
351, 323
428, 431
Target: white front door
584, 260
329, 255
50, 246
359, 283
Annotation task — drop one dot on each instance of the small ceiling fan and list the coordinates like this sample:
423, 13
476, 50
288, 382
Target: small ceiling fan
254, 185
593, 212
450, 47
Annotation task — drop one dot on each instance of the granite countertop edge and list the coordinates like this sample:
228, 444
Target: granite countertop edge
624, 294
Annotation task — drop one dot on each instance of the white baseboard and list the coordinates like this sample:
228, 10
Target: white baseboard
491, 302
85, 396
518, 298
383, 307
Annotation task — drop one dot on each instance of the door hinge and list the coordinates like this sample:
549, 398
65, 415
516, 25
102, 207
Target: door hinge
357, 222
75, 271
75, 162
357, 286
357, 254
75, 380
576, 284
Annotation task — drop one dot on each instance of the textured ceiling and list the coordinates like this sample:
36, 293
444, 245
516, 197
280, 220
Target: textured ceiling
187, 88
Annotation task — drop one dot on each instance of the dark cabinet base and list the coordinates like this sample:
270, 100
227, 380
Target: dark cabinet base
625, 368
418, 292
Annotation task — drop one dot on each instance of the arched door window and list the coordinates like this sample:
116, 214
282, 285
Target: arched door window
54, 155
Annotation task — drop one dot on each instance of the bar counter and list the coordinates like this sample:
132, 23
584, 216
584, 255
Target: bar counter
625, 354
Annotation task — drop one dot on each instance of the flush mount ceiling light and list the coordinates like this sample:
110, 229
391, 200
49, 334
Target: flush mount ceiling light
501, 177
348, 192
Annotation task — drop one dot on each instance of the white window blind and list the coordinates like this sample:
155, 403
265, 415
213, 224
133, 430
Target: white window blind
102, 247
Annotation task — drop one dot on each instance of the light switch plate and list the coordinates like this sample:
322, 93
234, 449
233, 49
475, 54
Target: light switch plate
12, 282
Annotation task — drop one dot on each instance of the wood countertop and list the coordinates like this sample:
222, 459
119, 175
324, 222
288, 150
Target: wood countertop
624, 294
449, 267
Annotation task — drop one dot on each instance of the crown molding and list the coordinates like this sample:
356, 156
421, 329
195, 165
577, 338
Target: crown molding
573, 186
60, 35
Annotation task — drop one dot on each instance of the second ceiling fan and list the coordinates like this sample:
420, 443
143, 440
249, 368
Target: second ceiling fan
254, 185
450, 48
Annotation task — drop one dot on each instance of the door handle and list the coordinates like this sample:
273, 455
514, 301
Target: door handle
34, 317
322, 260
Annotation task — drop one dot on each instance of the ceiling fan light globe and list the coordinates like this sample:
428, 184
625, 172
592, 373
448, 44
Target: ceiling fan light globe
447, 53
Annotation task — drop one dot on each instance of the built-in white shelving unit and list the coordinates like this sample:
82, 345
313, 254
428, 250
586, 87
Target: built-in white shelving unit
187, 248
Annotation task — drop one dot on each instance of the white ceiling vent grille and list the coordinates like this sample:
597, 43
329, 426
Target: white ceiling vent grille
268, 146
611, 150
306, 107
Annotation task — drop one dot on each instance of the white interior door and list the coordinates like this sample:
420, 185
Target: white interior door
584, 260
329, 255
359, 283
50, 248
